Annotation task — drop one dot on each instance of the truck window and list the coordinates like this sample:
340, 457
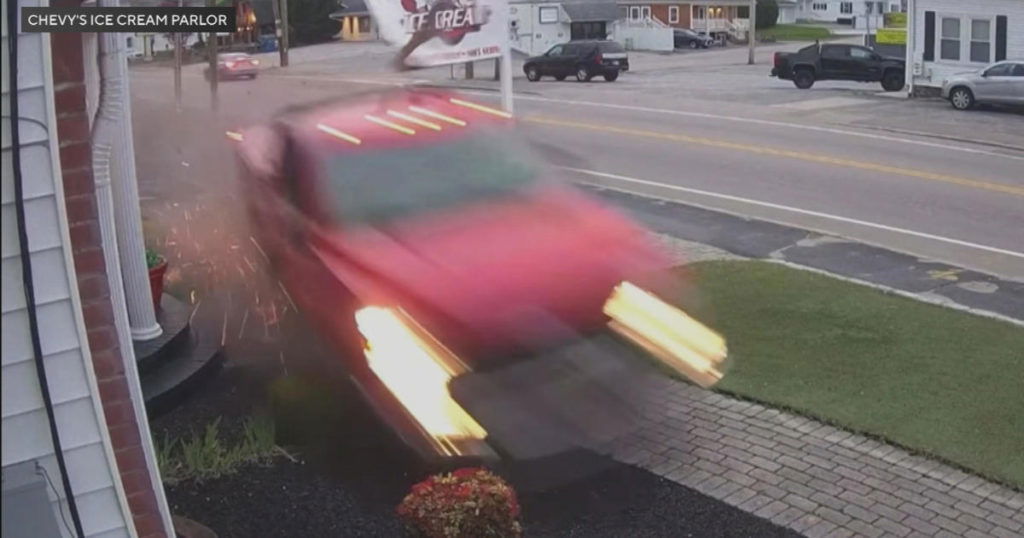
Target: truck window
861, 54
835, 52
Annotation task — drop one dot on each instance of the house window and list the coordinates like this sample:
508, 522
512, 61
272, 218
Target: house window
846, 8
548, 14
819, 7
981, 40
634, 13
673, 14
949, 39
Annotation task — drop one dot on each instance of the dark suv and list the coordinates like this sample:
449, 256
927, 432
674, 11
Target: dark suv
582, 59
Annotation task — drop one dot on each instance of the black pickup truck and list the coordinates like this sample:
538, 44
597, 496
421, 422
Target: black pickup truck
839, 62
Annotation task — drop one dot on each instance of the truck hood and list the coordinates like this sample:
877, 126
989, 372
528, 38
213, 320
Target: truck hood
496, 274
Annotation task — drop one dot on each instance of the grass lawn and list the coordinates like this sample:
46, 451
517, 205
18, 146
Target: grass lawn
934, 380
796, 32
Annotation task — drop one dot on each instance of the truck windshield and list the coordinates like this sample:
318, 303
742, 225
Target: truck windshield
382, 185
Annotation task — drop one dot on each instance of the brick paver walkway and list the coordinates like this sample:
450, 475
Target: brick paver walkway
808, 476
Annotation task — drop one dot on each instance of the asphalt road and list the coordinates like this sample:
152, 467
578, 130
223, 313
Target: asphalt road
740, 142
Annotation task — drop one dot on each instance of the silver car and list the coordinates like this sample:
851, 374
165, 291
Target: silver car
1000, 83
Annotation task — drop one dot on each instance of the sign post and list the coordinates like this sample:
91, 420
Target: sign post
506, 77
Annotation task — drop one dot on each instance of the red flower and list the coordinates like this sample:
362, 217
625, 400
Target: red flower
466, 472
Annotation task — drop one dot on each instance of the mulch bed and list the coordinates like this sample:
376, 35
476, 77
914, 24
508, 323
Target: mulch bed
352, 475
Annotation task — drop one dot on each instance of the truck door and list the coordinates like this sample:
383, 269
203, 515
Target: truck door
834, 59
865, 64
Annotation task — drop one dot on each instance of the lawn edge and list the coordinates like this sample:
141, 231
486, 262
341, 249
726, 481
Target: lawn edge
928, 299
1018, 487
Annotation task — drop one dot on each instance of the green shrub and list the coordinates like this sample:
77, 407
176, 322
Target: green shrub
767, 13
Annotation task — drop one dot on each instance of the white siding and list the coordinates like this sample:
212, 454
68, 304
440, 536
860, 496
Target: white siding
25, 435
532, 37
932, 74
834, 11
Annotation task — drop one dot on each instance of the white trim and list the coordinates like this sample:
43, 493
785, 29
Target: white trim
541, 10
76, 302
675, 10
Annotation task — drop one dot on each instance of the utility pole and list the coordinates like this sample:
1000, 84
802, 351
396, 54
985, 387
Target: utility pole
282, 30
177, 64
752, 32
211, 51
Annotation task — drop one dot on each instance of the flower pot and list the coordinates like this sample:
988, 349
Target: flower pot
156, 282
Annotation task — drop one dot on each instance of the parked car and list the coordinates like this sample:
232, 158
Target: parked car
839, 62
1001, 83
235, 65
582, 59
418, 235
688, 38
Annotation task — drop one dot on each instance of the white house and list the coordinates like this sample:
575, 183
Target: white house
536, 26
862, 13
789, 11
953, 36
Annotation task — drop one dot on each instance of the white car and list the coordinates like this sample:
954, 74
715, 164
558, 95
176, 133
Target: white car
1000, 83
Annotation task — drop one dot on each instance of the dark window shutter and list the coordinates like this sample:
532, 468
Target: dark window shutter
1001, 38
929, 36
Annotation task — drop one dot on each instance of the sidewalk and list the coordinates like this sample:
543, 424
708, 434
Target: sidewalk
805, 475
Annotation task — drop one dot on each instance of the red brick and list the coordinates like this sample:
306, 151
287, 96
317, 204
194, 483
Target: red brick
70, 98
135, 481
73, 128
130, 458
125, 435
91, 287
149, 524
107, 363
78, 181
87, 232
118, 413
67, 57
88, 259
114, 389
97, 313
76, 154
142, 502
81, 208
102, 338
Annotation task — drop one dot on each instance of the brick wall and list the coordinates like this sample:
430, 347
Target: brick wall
97, 308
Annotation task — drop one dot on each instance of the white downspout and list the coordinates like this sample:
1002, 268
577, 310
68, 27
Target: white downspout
106, 127
911, 45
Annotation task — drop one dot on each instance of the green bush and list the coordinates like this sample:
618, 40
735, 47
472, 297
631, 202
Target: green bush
767, 13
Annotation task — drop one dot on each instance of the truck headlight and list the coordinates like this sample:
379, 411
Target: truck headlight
674, 338
416, 369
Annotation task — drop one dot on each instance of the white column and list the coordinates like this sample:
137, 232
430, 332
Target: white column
128, 216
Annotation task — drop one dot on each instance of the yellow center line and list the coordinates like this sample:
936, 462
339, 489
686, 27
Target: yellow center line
800, 155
